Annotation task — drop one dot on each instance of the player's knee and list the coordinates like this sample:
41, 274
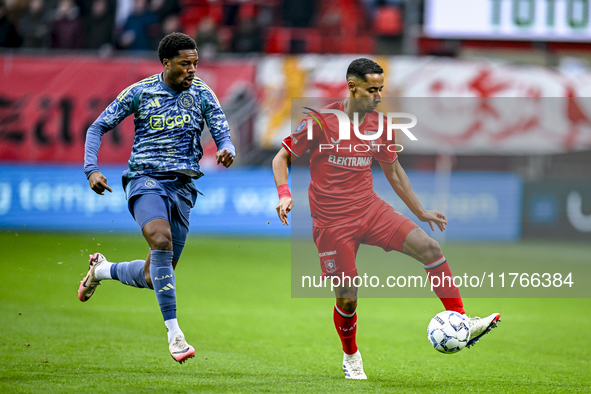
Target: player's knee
432, 251
158, 234
347, 304
161, 242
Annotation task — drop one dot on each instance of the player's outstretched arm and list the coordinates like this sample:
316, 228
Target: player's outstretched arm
281, 175
107, 120
401, 185
98, 183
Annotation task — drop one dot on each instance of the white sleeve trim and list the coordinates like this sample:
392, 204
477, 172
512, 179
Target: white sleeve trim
288, 149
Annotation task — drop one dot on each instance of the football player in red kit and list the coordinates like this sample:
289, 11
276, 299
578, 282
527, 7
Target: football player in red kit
346, 212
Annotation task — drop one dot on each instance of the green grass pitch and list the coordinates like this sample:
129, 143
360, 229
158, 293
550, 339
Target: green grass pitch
235, 308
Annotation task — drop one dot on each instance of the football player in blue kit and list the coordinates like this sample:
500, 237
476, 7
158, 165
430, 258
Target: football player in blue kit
170, 110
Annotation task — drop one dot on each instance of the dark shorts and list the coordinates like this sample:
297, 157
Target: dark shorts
178, 193
338, 246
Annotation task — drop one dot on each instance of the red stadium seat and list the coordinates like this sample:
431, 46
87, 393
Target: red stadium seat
388, 21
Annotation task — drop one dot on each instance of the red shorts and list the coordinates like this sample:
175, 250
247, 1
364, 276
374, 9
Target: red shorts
338, 246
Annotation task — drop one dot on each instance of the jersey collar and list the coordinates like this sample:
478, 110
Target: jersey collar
165, 86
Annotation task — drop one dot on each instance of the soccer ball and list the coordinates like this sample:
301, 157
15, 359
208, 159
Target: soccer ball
448, 332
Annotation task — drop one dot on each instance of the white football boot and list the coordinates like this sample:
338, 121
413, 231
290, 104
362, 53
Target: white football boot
481, 326
89, 283
353, 366
180, 350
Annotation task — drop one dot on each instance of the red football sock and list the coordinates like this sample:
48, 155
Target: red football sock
444, 287
346, 325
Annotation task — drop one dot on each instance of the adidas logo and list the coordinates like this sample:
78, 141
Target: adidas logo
154, 104
167, 287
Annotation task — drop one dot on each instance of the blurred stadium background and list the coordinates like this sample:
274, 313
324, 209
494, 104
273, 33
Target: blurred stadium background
63, 61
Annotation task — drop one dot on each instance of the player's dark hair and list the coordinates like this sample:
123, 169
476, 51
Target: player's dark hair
361, 67
170, 45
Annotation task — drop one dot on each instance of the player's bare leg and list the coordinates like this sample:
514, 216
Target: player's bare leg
420, 246
425, 249
345, 321
346, 298
159, 270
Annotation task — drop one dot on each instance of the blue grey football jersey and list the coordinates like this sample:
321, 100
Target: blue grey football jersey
168, 127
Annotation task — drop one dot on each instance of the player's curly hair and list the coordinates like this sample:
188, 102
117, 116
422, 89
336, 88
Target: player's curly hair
361, 67
170, 45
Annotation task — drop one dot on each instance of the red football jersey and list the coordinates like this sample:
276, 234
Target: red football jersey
341, 187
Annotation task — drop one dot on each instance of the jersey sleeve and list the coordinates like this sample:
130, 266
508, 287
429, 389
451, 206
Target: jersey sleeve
123, 106
216, 119
299, 142
386, 152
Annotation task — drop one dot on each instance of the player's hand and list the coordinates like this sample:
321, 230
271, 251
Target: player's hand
283, 207
98, 183
434, 217
225, 157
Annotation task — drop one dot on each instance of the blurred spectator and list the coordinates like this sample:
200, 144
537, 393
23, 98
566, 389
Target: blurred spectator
84, 6
165, 8
35, 25
168, 14
141, 28
230, 14
100, 24
67, 30
298, 13
208, 38
247, 37
16, 8
123, 10
9, 36
371, 6
169, 24
330, 21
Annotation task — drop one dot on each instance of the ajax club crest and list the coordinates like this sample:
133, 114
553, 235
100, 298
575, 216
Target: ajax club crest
186, 100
